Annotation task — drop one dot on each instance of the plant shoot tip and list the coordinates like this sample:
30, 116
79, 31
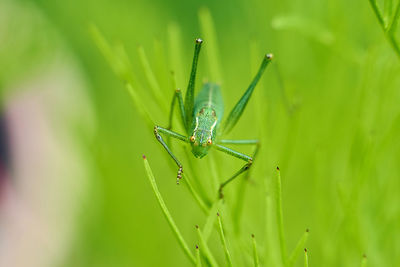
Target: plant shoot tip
197, 227
199, 40
307, 230
252, 235
197, 247
277, 168
364, 256
305, 250
144, 156
269, 56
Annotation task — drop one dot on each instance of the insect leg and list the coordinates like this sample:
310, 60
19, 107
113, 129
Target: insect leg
189, 97
239, 142
157, 131
238, 109
237, 155
177, 96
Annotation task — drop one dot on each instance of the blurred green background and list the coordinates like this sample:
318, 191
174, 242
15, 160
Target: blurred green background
329, 117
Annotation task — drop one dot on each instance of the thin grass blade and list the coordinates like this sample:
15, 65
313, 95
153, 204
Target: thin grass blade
364, 261
139, 105
209, 33
151, 78
119, 62
390, 27
378, 13
195, 173
240, 197
272, 251
255, 252
297, 250
211, 219
198, 258
305, 258
195, 195
166, 213
395, 21
214, 171
223, 241
205, 249
175, 57
279, 215
114, 55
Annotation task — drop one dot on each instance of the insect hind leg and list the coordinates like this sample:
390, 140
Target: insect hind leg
245, 168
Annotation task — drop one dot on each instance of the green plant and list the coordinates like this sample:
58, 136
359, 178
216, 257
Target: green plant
214, 208
236, 246
389, 20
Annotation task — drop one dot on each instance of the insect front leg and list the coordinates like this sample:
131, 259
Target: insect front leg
177, 96
157, 131
238, 109
240, 156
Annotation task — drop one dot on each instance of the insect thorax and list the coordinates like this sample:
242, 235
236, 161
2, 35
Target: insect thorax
203, 132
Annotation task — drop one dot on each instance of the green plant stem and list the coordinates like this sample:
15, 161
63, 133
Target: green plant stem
240, 198
198, 259
192, 169
210, 36
223, 241
211, 219
175, 57
151, 78
195, 195
395, 21
119, 62
297, 250
205, 249
364, 261
255, 253
279, 215
378, 13
214, 172
272, 251
390, 28
166, 213
138, 103
394, 43
305, 258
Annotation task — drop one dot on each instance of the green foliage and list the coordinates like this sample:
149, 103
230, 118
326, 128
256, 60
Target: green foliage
389, 20
305, 258
255, 252
326, 112
167, 215
121, 63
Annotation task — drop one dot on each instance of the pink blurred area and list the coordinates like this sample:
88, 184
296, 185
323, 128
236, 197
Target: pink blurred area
45, 182
44, 171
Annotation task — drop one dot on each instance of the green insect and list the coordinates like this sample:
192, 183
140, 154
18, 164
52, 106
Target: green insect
202, 116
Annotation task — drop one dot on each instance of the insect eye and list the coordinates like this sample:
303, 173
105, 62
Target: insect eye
192, 138
209, 141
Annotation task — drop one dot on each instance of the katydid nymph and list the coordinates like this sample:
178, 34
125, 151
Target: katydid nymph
202, 116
